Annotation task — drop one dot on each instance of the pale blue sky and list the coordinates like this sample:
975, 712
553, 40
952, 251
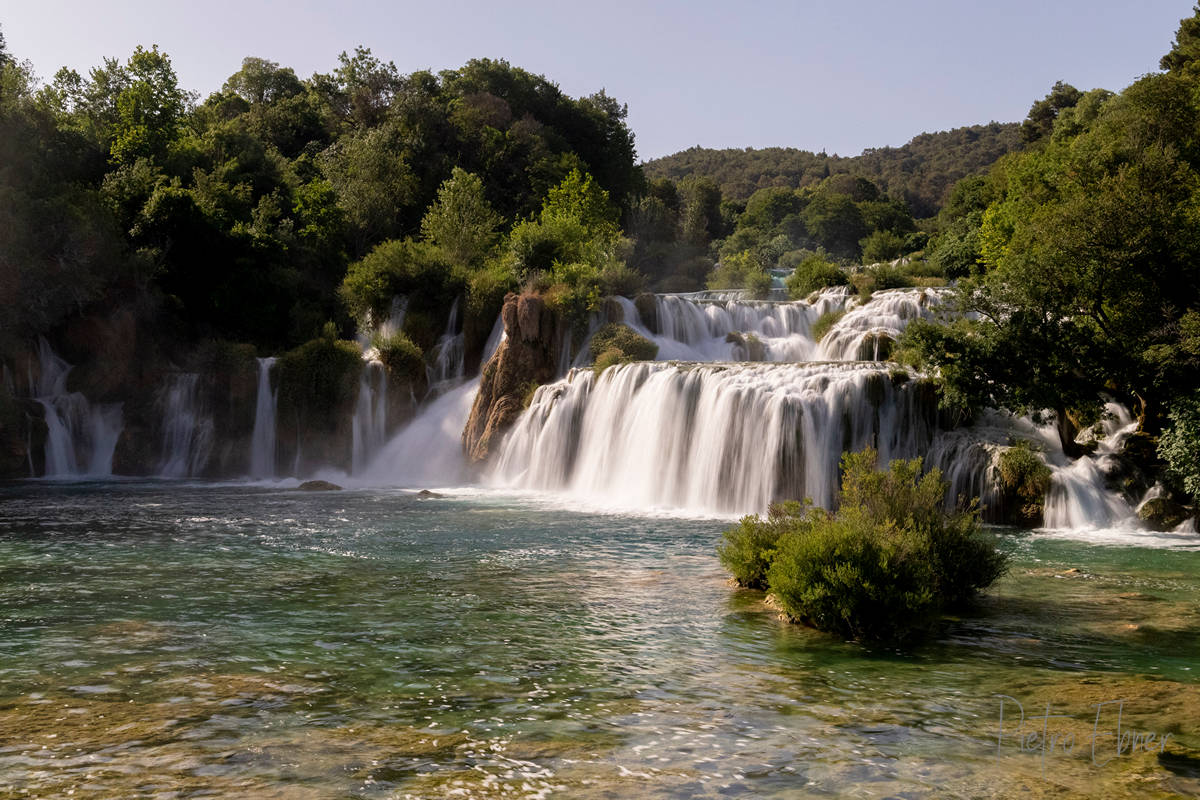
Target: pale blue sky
815, 75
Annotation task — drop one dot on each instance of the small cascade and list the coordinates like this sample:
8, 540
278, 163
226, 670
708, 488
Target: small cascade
1079, 496
262, 440
428, 451
867, 331
187, 433
697, 327
447, 358
369, 426
80, 437
724, 438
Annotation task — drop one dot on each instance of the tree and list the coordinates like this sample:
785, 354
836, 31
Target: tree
461, 221
261, 81
149, 110
1040, 120
1186, 52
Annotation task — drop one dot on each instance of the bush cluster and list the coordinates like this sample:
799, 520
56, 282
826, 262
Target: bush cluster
615, 343
880, 569
1024, 481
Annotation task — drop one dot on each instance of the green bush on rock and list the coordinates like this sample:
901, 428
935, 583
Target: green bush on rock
882, 568
401, 356
615, 343
748, 548
812, 274
1024, 481
319, 379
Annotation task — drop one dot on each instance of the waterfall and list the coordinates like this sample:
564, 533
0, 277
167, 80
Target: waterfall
369, 425
187, 433
428, 451
80, 437
700, 328
446, 368
262, 440
1078, 495
723, 438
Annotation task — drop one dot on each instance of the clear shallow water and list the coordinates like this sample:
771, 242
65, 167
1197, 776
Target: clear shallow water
166, 640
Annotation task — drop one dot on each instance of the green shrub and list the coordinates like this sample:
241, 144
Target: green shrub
400, 355
885, 276
419, 270
741, 271
813, 273
1179, 447
882, 568
318, 380
749, 548
615, 343
857, 577
825, 323
1024, 481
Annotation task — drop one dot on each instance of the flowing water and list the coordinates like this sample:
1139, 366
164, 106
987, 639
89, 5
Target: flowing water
81, 437
238, 641
262, 439
187, 431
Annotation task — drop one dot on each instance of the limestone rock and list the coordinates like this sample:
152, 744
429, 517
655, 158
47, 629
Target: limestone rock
527, 355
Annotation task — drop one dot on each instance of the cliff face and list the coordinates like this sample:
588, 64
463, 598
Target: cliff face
525, 357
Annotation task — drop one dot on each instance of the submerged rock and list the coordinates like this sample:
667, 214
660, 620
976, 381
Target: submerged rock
319, 486
426, 494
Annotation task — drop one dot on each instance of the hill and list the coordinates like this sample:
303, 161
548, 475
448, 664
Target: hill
921, 172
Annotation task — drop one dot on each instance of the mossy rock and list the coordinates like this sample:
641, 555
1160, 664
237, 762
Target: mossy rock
616, 343
1024, 482
647, 307
319, 486
1163, 514
318, 381
825, 323
752, 347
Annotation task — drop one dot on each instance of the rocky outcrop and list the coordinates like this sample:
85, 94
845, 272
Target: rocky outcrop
525, 357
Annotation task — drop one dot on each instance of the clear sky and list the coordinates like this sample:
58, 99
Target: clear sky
838, 76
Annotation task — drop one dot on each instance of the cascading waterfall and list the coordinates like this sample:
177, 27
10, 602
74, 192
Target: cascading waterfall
80, 437
723, 438
447, 367
369, 426
262, 440
1078, 497
187, 432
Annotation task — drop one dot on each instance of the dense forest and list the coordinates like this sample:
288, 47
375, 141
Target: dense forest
920, 173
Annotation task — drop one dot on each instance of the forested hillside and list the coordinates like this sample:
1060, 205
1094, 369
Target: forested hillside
920, 173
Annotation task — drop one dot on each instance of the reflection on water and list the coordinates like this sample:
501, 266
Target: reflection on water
172, 641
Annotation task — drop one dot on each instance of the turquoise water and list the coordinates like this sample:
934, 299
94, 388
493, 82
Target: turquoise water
175, 641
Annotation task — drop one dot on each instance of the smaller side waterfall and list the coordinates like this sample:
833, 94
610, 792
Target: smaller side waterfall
1078, 495
447, 363
80, 437
262, 440
369, 426
187, 433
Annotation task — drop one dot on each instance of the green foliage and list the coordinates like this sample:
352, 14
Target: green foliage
825, 323
1185, 54
461, 221
418, 270
1024, 482
149, 109
885, 565
881, 245
318, 380
749, 547
400, 355
1040, 121
921, 172
885, 276
815, 272
1179, 446
615, 343
741, 271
